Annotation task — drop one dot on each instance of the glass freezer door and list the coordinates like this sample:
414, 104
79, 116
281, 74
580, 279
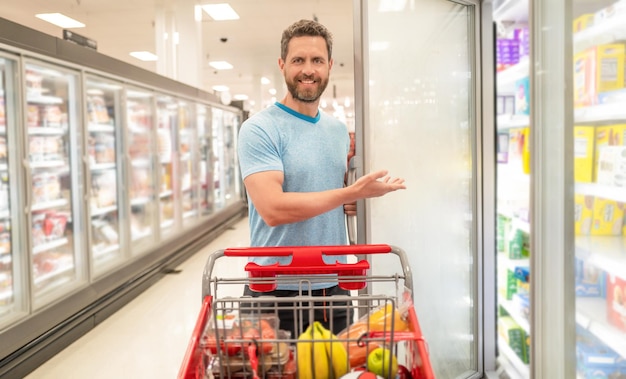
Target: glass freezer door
219, 158
53, 176
167, 119
103, 127
231, 183
141, 182
206, 159
13, 295
188, 159
421, 87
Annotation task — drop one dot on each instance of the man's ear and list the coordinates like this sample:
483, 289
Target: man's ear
281, 64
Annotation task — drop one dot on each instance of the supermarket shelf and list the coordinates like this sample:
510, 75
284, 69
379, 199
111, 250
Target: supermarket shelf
5, 258
46, 130
607, 253
165, 194
4, 215
185, 157
102, 166
48, 205
50, 245
505, 79
61, 270
520, 369
591, 315
600, 113
167, 224
101, 128
6, 294
609, 31
141, 162
190, 214
140, 200
48, 164
99, 253
603, 191
514, 313
4, 167
510, 121
103, 210
512, 264
43, 99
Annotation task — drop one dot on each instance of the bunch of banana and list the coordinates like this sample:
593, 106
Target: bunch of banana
320, 355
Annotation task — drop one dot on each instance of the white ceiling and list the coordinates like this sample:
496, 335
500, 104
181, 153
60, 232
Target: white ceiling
253, 46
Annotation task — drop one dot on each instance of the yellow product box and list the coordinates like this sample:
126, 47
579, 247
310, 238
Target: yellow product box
584, 78
584, 157
516, 145
607, 135
583, 214
583, 22
608, 217
526, 151
609, 63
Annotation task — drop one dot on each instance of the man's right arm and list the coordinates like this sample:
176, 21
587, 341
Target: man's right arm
277, 207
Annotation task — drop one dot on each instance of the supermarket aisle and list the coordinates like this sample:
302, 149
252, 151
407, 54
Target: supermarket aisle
148, 337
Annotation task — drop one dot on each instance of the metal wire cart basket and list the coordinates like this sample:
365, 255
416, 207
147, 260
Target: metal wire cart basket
241, 337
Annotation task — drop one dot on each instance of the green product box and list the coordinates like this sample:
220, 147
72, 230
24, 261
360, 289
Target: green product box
519, 246
511, 284
515, 336
503, 232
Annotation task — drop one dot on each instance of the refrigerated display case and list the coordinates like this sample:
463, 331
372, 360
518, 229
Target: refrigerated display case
53, 176
98, 160
512, 48
104, 120
141, 150
599, 63
13, 286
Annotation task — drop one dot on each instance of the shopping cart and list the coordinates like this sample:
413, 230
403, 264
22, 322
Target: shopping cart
220, 348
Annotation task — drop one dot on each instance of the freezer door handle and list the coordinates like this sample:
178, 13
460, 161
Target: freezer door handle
29, 185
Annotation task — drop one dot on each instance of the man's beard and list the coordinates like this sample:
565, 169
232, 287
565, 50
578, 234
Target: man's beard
306, 96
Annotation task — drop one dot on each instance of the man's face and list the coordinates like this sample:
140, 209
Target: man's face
306, 68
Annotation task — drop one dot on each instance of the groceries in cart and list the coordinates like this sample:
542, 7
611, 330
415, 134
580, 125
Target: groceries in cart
241, 337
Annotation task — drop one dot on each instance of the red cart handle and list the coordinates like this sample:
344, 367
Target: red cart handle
307, 260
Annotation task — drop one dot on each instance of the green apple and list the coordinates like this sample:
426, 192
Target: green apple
378, 362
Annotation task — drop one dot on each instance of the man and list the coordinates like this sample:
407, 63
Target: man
293, 163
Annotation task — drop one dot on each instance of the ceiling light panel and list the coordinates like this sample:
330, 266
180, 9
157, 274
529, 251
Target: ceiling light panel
221, 65
220, 12
60, 20
144, 56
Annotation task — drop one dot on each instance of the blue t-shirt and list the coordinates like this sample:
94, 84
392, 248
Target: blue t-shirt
312, 154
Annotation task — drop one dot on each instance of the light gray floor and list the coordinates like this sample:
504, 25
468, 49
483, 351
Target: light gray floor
148, 337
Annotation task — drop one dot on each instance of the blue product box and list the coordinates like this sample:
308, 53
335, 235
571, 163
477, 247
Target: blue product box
596, 361
590, 281
522, 96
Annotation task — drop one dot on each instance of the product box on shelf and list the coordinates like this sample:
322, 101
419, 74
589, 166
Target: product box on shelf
611, 169
502, 147
519, 245
526, 151
612, 97
584, 79
609, 63
595, 360
616, 301
607, 135
583, 22
608, 217
515, 336
503, 232
583, 214
522, 96
590, 281
584, 144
